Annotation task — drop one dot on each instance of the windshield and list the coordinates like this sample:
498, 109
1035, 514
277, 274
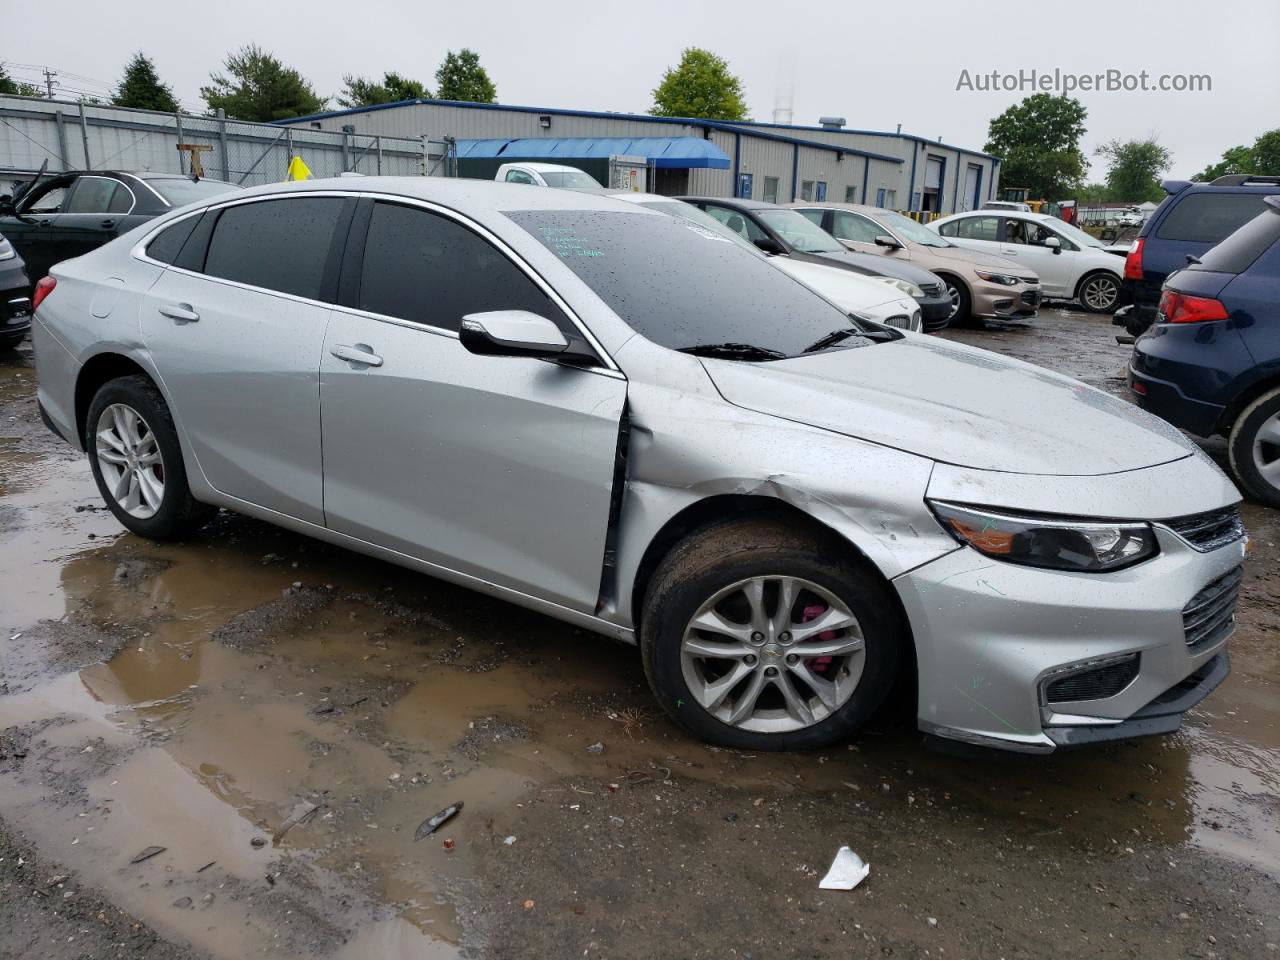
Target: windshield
678, 208
910, 229
799, 231
688, 287
180, 191
1072, 233
572, 179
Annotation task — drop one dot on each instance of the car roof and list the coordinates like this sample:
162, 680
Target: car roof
543, 167
837, 205
738, 202
476, 194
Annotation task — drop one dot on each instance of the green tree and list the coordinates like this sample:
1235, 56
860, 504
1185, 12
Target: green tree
260, 88
17, 87
701, 86
359, 92
461, 77
1134, 169
1262, 158
1038, 142
142, 88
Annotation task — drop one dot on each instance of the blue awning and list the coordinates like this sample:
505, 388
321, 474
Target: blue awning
664, 152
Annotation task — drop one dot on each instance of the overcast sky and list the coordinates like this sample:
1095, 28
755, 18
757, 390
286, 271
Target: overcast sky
877, 65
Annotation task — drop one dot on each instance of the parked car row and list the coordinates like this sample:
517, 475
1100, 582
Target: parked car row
633, 423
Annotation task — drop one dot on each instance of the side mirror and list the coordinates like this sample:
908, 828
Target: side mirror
511, 333
768, 245
884, 240
1054, 244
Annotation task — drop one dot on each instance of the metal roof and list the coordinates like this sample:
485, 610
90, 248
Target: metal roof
664, 152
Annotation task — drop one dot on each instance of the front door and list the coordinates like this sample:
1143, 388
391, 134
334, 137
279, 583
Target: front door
1024, 243
238, 349
500, 468
31, 228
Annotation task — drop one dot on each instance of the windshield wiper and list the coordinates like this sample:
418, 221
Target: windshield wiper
734, 351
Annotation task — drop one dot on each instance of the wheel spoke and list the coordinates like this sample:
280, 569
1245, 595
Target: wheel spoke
713, 622
754, 592
126, 423
699, 647
828, 691
713, 694
111, 439
786, 603
133, 496
1269, 432
152, 491
832, 618
795, 704
122, 485
839, 647
745, 705
1270, 472
112, 456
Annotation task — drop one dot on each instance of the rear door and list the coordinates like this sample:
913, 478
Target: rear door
236, 332
94, 209
500, 468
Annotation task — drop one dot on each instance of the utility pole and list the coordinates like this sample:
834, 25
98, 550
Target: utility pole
49, 81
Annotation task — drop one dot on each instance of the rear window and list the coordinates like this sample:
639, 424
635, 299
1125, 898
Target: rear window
1238, 252
1209, 217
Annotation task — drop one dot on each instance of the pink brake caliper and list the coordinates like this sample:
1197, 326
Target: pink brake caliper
813, 612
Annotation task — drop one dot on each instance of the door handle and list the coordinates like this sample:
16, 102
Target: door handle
179, 311
107, 224
356, 353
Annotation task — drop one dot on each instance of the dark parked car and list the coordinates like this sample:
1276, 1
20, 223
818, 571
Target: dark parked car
1190, 220
781, 231
15, 300
69, 214
1211, 362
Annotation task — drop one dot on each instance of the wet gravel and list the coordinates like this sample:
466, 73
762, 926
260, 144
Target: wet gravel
197, 696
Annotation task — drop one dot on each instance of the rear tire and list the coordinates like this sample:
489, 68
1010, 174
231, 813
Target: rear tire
11, 343
137, 461
796, 690
1253, 449
1099, 292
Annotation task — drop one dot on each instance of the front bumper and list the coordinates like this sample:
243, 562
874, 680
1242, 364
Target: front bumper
935, 311
15, 313
999, 302
991, 636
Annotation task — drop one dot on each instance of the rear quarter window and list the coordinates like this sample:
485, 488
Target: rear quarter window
1237, 253
1209, 217
168, 242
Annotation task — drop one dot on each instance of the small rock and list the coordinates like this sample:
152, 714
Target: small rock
596, 748
529, 905
933, 921
183, 903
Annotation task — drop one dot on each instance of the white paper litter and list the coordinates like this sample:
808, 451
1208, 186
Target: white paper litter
847, 871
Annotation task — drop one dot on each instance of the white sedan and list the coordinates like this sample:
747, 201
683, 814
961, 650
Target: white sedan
873, 298
1072, 265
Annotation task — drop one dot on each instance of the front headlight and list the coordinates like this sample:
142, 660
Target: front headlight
906, 286
6, 250
1001, 278
1053, 543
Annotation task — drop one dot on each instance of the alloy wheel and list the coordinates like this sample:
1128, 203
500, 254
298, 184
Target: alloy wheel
954, 293
1266, 450
130, 461
773, 654
1100, 293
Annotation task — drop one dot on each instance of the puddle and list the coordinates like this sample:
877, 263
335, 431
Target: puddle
253, 674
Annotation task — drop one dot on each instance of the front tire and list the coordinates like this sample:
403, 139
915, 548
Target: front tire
1253, 449
757, 636
961, 303
1099, 292
137, 461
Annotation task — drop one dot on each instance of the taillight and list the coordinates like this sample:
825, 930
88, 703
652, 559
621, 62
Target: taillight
43, 288
1133, 260
1180, 308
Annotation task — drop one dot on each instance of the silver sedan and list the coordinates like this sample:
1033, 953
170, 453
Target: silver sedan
625, 421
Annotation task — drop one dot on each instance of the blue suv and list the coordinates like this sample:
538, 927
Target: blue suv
1211, 362
1190, 220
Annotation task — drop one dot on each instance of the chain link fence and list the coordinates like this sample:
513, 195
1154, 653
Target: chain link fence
77, 136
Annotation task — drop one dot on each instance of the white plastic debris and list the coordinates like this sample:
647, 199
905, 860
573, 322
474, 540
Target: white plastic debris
509, 841
847, 871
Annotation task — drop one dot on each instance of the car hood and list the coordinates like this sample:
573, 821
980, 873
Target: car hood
877, 265
980, 259
955, 404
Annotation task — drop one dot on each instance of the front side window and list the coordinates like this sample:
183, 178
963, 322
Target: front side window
280, 245
684, 286
425, 268
570, 180
47, 199
518, 176
1031, 234
737, 222
913, 231
855, 228
799, 232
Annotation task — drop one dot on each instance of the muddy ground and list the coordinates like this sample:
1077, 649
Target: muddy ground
280, 716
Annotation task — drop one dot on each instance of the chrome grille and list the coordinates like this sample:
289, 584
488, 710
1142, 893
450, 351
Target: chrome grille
1210, 615
1031, 297
1208, 531
931, 289
900, 320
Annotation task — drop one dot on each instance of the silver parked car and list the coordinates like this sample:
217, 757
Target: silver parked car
626, 421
